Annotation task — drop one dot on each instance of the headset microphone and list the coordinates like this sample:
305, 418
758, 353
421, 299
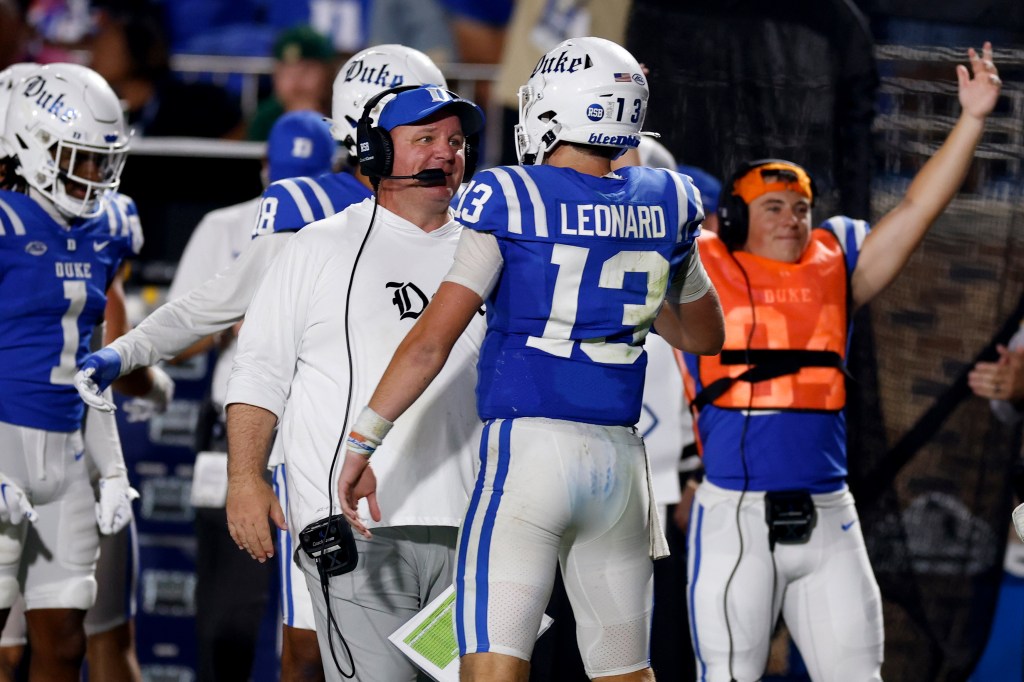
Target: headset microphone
430, 176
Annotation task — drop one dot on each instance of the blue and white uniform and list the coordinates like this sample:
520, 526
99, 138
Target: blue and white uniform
585, 265
291, 204
824, 588
53, 284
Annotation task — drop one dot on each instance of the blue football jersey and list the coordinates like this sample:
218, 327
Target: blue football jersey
53, 292
291, 204
121, 218
587, 261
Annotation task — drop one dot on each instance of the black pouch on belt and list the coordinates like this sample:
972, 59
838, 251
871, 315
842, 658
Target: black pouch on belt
790, 515
330, 543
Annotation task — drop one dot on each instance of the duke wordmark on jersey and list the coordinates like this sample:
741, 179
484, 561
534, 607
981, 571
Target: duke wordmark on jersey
73, 270
52, 296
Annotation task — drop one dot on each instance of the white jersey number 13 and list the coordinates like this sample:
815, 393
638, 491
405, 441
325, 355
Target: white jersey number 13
556, 338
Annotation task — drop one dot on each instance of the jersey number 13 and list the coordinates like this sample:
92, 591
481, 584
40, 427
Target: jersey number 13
571, 260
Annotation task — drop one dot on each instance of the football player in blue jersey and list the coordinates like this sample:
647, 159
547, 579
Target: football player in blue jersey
576, 264
286, 207
110, 648
774, 528
63, 236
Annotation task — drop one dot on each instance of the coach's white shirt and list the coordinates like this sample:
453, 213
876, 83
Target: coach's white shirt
292, 360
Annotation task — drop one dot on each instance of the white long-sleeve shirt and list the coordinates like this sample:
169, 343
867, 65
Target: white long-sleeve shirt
209, 308
293, 360
219, 238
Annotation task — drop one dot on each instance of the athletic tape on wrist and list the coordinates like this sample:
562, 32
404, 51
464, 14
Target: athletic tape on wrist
372, 427
361, 447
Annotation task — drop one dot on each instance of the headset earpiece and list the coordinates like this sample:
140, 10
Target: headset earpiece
732, 221
373, 143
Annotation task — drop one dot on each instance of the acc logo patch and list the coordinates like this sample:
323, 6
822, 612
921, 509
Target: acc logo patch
638, 79
35, 248
595, 112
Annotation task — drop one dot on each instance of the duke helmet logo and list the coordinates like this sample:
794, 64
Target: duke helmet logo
51, 102
595, 112
410, 300
563, 63
380, 76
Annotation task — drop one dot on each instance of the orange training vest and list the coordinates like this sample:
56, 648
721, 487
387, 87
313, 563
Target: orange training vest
799, 306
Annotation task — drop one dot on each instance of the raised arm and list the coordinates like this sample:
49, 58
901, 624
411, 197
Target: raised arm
894, 238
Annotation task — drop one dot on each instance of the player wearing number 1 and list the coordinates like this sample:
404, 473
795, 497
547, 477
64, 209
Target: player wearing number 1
575, 264
63, 235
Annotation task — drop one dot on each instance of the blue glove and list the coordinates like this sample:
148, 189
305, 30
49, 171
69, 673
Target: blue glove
98, 371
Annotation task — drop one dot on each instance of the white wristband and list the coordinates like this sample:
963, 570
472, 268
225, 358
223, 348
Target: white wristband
371, 426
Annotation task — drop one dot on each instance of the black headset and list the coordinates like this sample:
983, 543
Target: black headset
376, 150
733, 214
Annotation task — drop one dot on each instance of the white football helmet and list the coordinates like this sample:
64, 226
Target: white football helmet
10, 77
374, 70
68, 132
586, 90
654, 154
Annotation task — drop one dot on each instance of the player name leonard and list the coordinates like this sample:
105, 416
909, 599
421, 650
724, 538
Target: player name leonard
622, 221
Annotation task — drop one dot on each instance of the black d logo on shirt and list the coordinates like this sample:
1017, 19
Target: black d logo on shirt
409, 299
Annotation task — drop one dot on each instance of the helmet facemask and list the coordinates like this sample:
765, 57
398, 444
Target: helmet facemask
77, 175
68, 133
536, 134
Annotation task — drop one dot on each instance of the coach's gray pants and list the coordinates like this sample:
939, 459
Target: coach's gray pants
399, 572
